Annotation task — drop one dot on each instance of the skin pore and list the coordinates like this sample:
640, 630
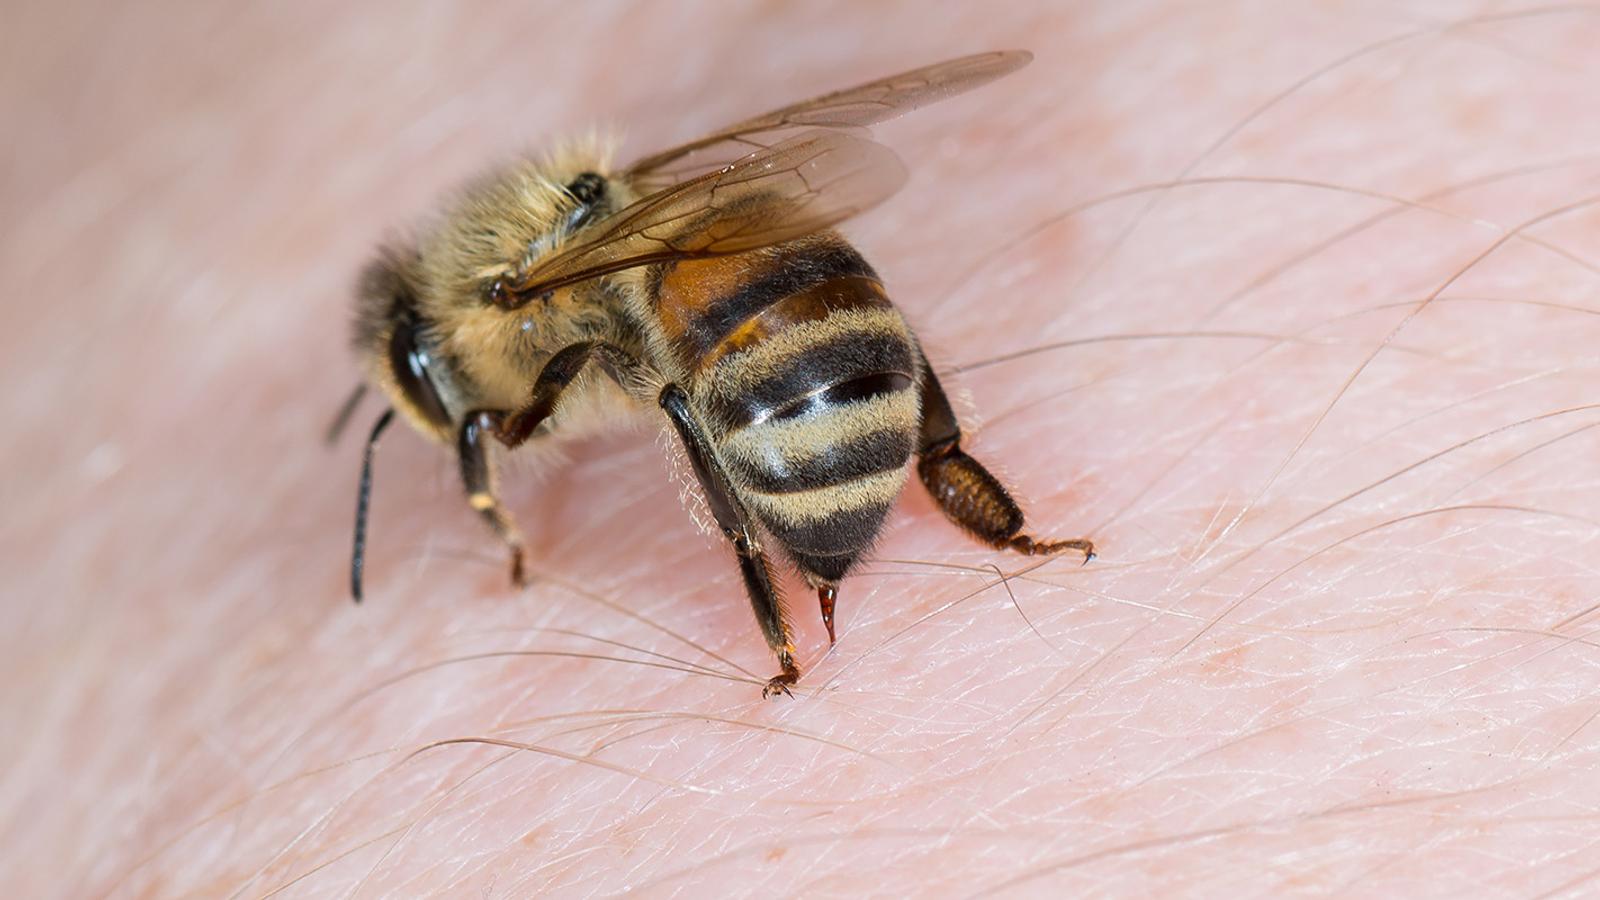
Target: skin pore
1291, 310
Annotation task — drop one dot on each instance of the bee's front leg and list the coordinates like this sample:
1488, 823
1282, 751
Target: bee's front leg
478, 477
558, 373
514, 428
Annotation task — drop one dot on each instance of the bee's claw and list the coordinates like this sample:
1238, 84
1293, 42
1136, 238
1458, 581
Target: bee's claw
776, 685
781, 681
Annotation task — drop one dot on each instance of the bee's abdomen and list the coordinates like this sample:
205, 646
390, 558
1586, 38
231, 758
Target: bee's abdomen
844, 366
806, 376
824, 495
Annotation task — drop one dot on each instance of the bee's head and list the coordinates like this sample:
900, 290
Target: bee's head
394, 342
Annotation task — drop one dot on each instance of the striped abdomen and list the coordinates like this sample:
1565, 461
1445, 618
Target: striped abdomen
806, 376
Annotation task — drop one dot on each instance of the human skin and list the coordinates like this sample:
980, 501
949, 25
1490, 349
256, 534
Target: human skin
1335, 447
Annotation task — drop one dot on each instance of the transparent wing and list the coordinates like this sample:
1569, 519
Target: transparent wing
812, 181
850, 109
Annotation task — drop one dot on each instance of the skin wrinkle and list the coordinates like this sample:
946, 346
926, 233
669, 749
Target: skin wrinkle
1344, 388
1400, 204
1309, 79
1387, 340
1403, 707
1324, 711
1161, 189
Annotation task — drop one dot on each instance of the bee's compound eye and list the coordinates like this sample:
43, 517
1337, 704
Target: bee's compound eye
409, 361
587, 188
497, 294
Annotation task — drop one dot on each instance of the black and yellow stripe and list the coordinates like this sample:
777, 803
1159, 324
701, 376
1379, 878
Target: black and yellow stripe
806, 377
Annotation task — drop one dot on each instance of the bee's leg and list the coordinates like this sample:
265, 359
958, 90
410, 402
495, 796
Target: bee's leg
559, 372
736, 526
512, 429
970, 496
477, 475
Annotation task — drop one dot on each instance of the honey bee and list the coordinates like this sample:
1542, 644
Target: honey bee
704, 280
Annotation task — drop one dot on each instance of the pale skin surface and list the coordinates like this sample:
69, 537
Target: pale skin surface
1338, 640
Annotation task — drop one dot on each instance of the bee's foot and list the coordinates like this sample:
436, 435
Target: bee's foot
1027, 546
779, 684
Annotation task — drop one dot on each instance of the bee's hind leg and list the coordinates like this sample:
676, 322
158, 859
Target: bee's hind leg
968, 493
737, 527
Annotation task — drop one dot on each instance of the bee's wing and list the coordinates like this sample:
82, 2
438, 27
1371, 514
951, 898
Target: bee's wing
851, 108
812, 181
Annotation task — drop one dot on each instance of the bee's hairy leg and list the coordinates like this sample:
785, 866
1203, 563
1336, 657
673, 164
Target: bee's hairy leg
477, 476
968, 493
514, 428
736, 525
560, 371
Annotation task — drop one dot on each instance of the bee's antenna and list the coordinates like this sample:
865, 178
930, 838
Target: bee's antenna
342, 418
363, 495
